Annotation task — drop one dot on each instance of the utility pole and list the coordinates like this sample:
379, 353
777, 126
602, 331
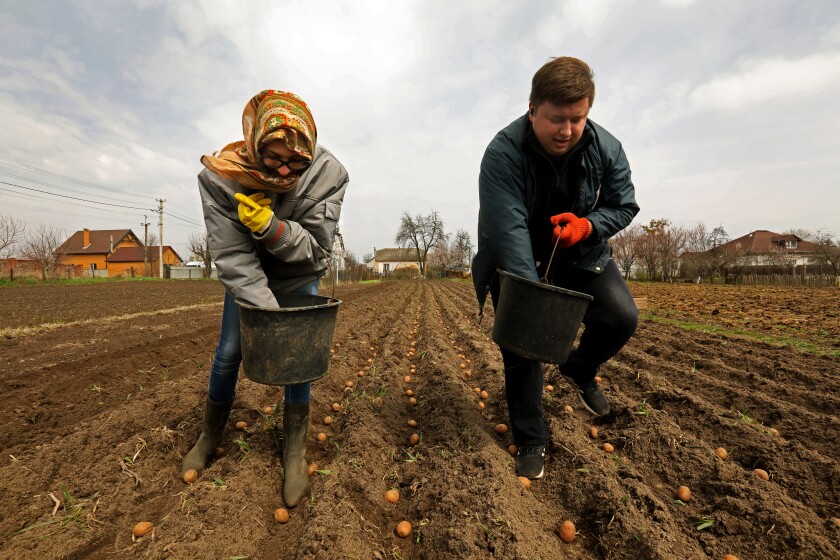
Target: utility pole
145, 225
160, 236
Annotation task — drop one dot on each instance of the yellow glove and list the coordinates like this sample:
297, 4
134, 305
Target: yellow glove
254, 211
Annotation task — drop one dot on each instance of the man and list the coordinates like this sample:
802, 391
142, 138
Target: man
555, 178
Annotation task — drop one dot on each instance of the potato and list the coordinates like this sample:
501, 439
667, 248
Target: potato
484, 394
481, 405
526, 484
762, 474
336, 407
568, 409
593, 432
407, 379
412, 401
327, 420
501, 428
321, 436
143, 528
403, 529
567, 531
549, 388
730, 557
414, 439
513, 450
281, 515
310, 470
608, 447
241, 425
412, 423
267, 410
218, 452
721, 453
684, 493
392, 496
190, 476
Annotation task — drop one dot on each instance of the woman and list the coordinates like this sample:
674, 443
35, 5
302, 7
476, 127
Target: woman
271, 205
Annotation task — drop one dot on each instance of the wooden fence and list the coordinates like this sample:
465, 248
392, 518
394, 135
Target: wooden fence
804, 280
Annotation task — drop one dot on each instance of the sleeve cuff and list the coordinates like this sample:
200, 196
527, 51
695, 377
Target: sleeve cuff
276, 235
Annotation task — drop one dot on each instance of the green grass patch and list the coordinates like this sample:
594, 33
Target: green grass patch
17, 282
803, 345
376, 281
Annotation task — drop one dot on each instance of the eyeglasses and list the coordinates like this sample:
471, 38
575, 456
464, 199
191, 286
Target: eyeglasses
275, 162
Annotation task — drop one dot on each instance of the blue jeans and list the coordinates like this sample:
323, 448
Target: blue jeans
225, 369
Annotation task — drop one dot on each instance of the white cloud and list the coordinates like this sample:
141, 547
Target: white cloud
760, 81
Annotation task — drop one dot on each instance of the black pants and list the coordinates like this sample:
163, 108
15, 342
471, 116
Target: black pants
609, 323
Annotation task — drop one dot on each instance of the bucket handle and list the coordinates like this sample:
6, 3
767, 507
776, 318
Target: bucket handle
329, 266
544, 279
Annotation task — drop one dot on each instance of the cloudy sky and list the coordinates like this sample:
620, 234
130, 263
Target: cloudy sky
728, 110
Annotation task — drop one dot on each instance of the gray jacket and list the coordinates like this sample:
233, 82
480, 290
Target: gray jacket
298, 243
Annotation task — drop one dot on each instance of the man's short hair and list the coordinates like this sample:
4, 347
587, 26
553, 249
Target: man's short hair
563, 80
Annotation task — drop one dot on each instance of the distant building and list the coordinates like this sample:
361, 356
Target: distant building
763, 248
91, 248
129, 261
387, 261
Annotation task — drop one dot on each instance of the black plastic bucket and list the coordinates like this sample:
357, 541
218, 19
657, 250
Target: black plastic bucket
536, 320
289, 345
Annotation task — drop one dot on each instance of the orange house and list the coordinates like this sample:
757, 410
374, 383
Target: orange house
91, 248
128, 261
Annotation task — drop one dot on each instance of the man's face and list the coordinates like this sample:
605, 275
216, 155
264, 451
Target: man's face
558, 128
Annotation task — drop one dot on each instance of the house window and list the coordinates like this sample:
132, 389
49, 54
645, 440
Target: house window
790, 244
386, 268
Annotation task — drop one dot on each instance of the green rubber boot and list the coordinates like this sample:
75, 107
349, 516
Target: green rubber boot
295, 467
215, 418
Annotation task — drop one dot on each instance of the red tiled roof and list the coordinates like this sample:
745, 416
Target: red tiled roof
135, 254
762, 241
100, 241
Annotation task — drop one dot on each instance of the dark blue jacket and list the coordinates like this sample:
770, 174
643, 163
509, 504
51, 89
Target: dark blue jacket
507, 187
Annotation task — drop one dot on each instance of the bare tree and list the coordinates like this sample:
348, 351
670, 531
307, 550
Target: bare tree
735, 258
41, 246
828, 250
625, 248
199, 246
422, 233
11, 232
440, 258
462, 247
780, 260
801, 233
649, 246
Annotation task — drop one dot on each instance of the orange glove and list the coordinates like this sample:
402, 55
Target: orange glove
569, 229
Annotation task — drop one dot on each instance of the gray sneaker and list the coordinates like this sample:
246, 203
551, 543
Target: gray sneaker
530, 461
592, 397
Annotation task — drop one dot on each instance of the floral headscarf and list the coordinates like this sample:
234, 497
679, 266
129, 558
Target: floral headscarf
270, 115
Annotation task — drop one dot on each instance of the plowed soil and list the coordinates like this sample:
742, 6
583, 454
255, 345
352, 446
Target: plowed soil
104, 386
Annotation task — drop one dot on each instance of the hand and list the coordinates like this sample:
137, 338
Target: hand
254, 211
569, 229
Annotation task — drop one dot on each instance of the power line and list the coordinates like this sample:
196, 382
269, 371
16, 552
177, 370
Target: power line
13, 163
43, 183
184, 220
71, 197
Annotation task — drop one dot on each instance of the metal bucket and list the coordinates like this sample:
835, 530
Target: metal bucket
537, 321
289, 345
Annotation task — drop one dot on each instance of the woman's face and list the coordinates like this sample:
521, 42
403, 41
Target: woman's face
277, 156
